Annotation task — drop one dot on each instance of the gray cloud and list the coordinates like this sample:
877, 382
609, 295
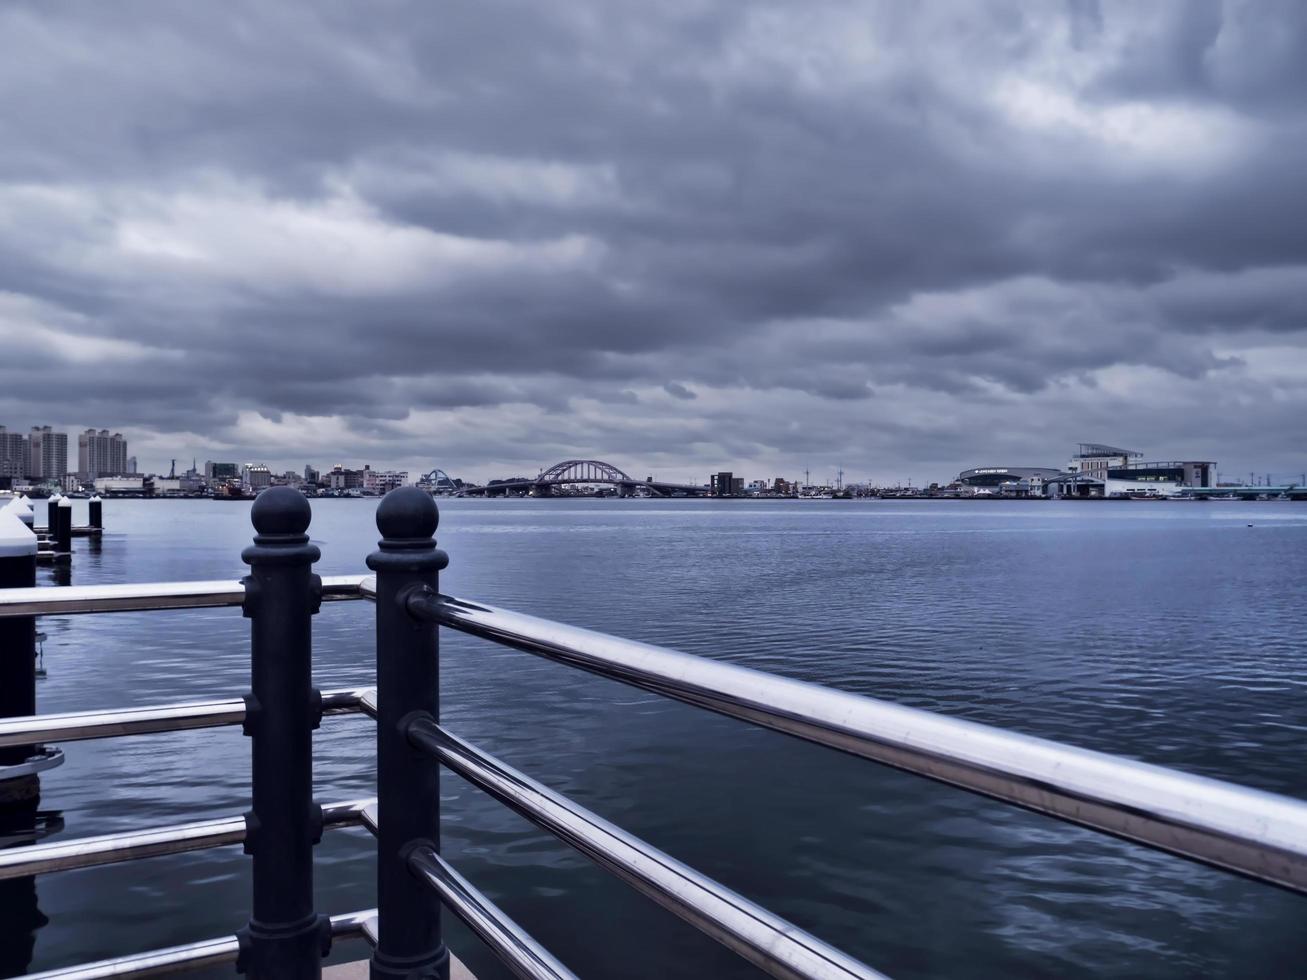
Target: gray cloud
901, 238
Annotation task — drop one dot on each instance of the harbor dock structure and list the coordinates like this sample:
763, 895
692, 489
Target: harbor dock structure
1259, 835
94, 526
54, 545
55, 539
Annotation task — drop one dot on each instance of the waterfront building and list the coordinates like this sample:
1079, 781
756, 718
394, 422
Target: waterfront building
1106, 471
1093, 460
13, 455
256, 476
725, 484
131, 465
215, 473
1158, 478
123, 486
311, 476
383, 481
342, 479
47, 454
173, 486
101, 454
1013, 480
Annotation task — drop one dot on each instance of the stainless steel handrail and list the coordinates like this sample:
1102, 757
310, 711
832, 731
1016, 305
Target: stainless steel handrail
1253, 833
509, 941
194, 956
90, 852
78, 725
149, 596
514, 947
766, 940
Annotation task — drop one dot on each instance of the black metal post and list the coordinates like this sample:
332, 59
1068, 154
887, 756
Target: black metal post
284, 939
17, 646
95, 513
408, 789
19, 796
52, 515
63, 531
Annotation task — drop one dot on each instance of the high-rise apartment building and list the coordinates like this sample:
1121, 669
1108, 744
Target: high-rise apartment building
101, 454
13, 454
47, 454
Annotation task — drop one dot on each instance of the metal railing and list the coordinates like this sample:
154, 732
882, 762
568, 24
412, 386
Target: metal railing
1256, 834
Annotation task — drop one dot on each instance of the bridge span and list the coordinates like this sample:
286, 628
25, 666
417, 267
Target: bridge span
571, 472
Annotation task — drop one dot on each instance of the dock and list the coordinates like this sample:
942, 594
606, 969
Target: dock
54, 539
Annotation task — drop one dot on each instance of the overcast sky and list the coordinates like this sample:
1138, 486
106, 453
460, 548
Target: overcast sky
904, 238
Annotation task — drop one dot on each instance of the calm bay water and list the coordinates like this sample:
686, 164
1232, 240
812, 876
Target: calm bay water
1169, 632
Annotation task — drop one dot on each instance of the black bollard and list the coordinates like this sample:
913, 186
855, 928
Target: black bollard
17, 646
63, 531
51, 515
284, 938
95, 513
408, 789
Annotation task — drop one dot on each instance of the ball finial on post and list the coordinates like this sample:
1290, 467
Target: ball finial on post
407, 514
281, 512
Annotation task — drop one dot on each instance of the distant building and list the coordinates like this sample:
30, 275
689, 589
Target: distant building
342, 479
124, 486
175, 486
1015, 480
256, 476
47, 454
1106, 471
726, 484
131, 465
101, 454
215, 473
1093, 459
13, 455
311, 476
1164, 478
383, 481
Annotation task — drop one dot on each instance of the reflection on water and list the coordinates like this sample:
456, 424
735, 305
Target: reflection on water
1168, 632
22, 822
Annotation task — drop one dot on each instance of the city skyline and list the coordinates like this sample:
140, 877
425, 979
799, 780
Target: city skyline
901, 239
822, 474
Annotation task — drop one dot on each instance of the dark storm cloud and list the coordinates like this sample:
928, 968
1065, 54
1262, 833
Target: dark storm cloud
481, 235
